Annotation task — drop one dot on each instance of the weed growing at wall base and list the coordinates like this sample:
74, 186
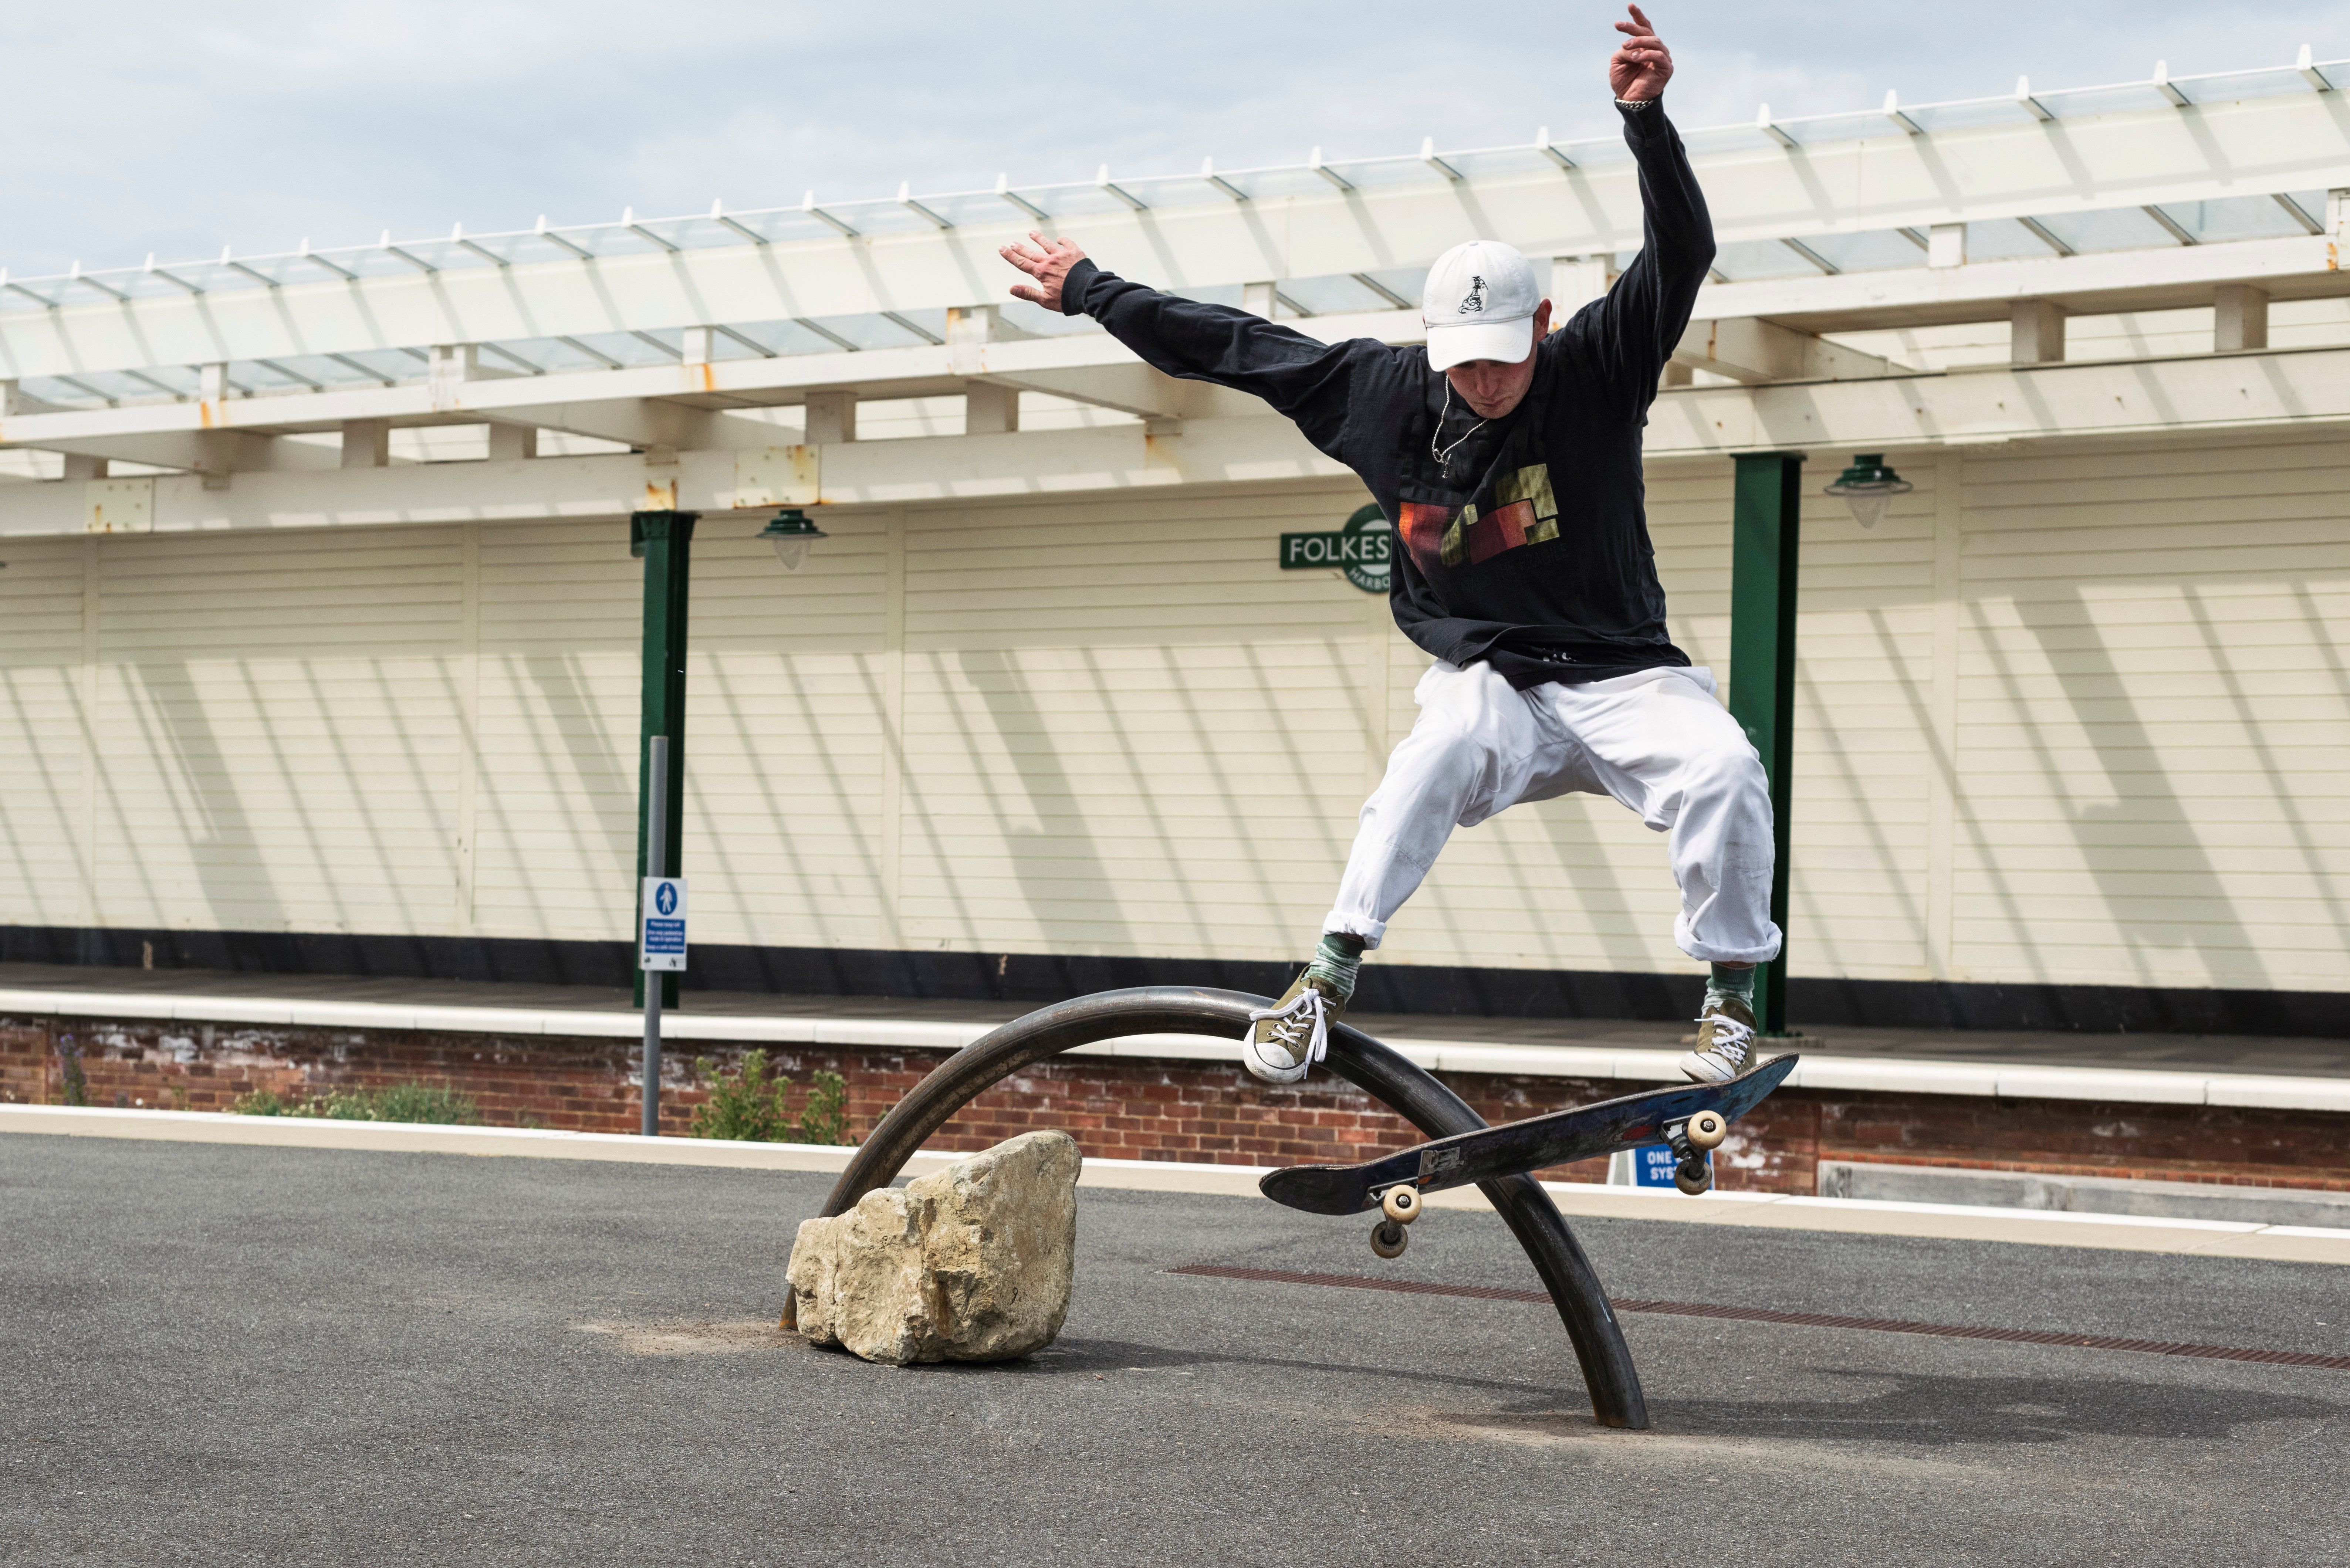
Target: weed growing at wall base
752, 1107
434, 1104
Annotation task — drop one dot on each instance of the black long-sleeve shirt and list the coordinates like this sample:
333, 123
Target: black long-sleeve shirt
1526, 545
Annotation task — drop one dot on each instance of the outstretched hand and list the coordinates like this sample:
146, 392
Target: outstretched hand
1643, 66
1049, 265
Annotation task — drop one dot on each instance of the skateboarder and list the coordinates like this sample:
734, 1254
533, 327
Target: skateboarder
1508, 459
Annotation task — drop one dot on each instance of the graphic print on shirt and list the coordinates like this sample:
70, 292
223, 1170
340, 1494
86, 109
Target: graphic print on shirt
1514, 505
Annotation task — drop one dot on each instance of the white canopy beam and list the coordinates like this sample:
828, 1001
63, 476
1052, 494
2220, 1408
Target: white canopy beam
2103, 401
2291, 268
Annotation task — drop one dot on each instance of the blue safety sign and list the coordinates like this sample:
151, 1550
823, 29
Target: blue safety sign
1653, 1166
663, 947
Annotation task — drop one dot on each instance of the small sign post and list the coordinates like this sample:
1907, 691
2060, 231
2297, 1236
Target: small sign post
660, 925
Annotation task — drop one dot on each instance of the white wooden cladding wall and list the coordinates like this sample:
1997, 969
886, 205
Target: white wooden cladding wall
2069, 716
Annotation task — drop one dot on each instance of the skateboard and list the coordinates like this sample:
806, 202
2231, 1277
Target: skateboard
1692, 1120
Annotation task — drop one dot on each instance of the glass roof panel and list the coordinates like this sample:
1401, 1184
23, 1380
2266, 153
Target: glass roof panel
2072, 103
2113, 229
1221, 294
277, 376
786, 338
1933, 117
1728, 139
1854, 126
1507, 162
1338, 295
1384, 173
864, 331
1407, 283
1024, 316
1740, 260
2233, 218
1874, 250
2003, 239
2230, 85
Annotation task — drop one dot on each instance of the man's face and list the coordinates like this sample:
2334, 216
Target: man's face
1492, 388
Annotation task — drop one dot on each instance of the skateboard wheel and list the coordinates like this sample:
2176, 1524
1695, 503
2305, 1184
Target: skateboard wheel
1400, 1204
1707, 1129
1388, 1239
1694, 1178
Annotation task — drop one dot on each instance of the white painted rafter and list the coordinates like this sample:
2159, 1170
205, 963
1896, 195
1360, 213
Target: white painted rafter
2307, 388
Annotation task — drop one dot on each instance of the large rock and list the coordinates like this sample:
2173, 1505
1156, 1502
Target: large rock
972, 1262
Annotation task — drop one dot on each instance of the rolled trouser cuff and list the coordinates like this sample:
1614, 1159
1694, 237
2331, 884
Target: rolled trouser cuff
1344, 924
1717, 952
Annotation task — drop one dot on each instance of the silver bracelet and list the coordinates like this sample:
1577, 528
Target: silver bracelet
1634, 103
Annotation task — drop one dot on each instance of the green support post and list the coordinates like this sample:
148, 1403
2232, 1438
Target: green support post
1765, 528
665, 540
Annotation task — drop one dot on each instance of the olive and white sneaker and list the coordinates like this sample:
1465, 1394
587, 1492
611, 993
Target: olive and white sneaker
1725, 1042
1285, 1039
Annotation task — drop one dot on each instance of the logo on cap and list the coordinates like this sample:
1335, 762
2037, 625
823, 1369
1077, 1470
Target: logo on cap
1475, 301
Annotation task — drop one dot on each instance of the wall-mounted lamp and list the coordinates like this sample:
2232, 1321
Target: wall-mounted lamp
791, 532
1867, 485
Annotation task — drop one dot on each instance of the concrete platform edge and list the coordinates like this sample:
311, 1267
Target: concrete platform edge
2287, 1243
1863, 1074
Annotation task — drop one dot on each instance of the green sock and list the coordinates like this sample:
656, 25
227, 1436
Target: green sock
1337, 960
1732, 981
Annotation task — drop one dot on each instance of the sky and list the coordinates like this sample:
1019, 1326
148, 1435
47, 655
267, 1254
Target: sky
139, 127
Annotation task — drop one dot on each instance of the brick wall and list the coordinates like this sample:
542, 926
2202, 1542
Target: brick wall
1130, 1110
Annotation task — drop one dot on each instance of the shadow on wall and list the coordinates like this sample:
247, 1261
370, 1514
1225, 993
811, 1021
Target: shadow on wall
1056, 869
198, 781
2142, 819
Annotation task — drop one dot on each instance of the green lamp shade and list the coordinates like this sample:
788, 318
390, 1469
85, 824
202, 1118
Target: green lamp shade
1867, 485
791, 534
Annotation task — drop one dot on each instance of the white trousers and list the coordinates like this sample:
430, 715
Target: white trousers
1657, 742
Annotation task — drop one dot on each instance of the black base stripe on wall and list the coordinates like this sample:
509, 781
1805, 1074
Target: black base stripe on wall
1039, 978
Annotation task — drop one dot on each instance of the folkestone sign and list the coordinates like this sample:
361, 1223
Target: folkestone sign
1360, 549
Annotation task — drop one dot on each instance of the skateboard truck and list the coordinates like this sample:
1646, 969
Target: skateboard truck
1692, 1141
1398, 1206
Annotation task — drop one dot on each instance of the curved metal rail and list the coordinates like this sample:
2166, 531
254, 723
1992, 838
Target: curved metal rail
1411, 1091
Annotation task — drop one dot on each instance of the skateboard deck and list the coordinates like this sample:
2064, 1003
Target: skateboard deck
1582, 1132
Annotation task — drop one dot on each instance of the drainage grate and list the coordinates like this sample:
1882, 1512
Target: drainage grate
1792, 1319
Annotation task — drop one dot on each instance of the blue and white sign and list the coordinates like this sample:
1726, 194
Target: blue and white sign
1653, 1166
664, 924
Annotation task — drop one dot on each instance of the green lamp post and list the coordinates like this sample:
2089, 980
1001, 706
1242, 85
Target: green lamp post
664, 541
1765, 535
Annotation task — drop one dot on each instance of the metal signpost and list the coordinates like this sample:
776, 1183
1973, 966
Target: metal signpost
660, 946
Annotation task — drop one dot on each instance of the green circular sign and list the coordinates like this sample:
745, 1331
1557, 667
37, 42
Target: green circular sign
1372, 572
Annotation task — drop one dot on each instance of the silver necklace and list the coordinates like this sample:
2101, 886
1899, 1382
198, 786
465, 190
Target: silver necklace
1444, 456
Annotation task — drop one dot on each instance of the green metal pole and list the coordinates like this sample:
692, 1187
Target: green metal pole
1765, 527
665, 540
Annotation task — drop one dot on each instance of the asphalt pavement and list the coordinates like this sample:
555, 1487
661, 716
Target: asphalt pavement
257, 1355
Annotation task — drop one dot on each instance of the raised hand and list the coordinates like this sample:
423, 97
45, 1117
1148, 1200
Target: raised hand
1643, 66
1049, 265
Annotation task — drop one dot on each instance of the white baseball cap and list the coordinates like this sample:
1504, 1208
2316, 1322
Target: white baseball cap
1478, 305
